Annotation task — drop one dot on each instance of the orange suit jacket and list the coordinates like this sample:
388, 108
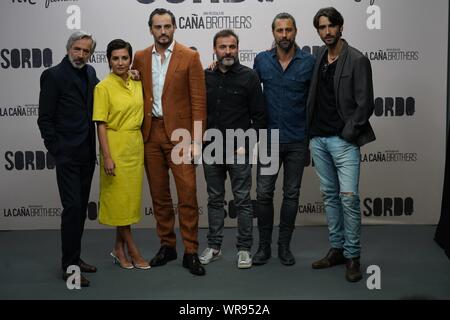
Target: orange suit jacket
184, 92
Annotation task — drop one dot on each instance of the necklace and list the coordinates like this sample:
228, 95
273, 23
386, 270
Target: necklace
332, 59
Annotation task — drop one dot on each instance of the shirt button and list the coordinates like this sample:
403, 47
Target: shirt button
149, 114
218, 100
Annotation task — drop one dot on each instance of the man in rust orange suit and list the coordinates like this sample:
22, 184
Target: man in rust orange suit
175, 98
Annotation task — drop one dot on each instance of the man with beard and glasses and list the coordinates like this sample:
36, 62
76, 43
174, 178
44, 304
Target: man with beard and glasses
174, 98
65, 122
285, 72
339, 107
234, 101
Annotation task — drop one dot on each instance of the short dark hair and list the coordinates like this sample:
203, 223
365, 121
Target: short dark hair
160, 12
117, 44
332, 14
283, 15
225, 33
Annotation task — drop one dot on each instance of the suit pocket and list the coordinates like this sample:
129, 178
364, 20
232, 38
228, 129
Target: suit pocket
181, 70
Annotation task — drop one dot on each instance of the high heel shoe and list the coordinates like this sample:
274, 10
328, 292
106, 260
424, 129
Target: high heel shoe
142, 267
117, 261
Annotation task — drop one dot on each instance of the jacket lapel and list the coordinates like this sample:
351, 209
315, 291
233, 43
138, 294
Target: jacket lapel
339, 69
148, 58
316, 72
173, 65
314, 80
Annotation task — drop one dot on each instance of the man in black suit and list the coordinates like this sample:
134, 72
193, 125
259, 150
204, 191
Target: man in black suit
65, 122
339, 106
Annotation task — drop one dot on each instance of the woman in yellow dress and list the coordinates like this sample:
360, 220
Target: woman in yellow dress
119, 111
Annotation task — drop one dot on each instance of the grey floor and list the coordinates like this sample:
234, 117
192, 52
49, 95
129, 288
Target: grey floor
412, 267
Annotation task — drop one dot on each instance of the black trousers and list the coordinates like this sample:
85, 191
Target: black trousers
293, 158
74, 179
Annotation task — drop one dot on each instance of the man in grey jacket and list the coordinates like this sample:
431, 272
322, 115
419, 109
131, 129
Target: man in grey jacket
339, 106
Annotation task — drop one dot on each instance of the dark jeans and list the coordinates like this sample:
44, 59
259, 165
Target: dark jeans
292, 157
241, 183
74, 183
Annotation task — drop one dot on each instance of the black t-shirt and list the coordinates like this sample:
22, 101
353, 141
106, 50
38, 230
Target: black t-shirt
326, 120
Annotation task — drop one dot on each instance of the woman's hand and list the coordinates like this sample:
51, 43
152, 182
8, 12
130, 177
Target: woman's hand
109, 166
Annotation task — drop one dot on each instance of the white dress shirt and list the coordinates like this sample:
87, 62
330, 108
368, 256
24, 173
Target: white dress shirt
159, 71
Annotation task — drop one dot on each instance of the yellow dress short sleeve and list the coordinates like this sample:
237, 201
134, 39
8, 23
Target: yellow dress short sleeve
121, 106
101, 104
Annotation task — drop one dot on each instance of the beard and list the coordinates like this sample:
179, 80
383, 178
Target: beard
285, 44
332, 41
164, 41
227, 61
77, 63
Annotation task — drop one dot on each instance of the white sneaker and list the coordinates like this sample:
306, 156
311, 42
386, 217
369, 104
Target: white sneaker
209, 255
244, 259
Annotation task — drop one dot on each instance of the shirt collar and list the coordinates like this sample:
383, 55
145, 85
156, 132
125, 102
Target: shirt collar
119, 79
298, 53
169, 49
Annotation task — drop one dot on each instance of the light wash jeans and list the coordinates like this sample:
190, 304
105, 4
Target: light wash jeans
337, 165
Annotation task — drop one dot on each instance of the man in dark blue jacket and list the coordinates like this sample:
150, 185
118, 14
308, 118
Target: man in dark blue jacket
285, 72
65, 122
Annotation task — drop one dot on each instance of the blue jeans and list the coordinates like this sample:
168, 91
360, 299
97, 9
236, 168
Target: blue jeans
337, 165
292, 157
241, 183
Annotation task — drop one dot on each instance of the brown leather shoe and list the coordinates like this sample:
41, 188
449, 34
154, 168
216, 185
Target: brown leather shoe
84, 267
83, 281
334, 257
353, 272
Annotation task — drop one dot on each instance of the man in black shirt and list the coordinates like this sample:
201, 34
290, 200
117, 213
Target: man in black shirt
235, 105
339, 106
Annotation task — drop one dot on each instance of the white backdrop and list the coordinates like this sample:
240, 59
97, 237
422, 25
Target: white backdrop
406, 40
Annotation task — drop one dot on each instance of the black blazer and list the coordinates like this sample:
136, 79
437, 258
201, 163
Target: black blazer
65, 110
354, 94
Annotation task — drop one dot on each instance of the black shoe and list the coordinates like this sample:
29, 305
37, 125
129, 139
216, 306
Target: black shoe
83, 281
262, 256
84, 267
192, 262
164, 255
353, 272
285, 255
334, 257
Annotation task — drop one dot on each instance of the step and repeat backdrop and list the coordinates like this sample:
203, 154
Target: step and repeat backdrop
406, 41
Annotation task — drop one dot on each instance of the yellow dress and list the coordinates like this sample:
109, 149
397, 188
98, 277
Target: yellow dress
121, 106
